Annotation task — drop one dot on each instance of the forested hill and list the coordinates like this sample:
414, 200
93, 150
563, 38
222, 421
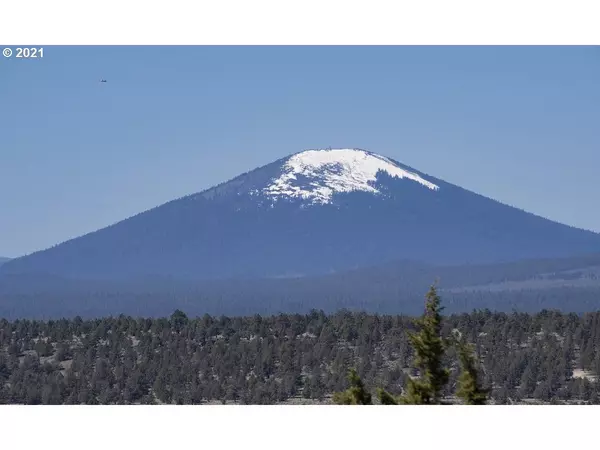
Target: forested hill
546, 357
568, 284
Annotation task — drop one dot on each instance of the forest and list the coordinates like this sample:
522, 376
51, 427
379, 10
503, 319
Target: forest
370, 291
547, 357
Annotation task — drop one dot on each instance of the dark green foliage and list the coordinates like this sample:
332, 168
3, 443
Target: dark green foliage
356, 394
429, 348
385, 398
469, 389
289, 358
178, 320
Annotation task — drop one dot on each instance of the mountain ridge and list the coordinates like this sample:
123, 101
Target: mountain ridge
226, 230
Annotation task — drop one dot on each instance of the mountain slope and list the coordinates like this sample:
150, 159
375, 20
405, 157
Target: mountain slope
3, 260
314, 212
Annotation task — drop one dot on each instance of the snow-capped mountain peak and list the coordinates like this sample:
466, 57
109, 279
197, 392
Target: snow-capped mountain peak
269, 222
316, 175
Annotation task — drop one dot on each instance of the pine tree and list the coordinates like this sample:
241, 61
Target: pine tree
469, 388
355, 395
429, 348
179, 320
385, 398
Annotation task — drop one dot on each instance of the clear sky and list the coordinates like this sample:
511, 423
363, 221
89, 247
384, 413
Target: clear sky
521, 125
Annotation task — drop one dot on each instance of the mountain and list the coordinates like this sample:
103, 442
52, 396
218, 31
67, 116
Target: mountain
314, 212
3, 260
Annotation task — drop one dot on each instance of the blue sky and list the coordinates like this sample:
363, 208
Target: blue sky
521, 125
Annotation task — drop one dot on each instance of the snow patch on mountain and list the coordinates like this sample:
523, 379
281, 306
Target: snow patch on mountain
315, 175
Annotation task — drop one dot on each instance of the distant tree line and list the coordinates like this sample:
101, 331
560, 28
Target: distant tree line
395, 288
501, 358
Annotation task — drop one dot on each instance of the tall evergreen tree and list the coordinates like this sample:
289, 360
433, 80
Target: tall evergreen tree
355, 395
429, 347
469, 390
